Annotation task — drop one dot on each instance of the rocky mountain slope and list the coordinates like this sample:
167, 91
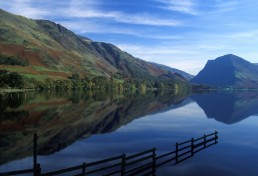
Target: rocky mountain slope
228, 71
52, 51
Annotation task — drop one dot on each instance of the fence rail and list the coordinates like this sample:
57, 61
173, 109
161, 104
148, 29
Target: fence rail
17, 172
144, 163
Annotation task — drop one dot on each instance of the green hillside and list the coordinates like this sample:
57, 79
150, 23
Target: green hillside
47, 55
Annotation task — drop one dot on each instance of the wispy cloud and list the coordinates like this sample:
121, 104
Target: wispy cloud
192, 52
225, 6
147, 19
142, 18
183, 6
87, 26
84, 10
81, 11
248, 35
184, 57
26, 8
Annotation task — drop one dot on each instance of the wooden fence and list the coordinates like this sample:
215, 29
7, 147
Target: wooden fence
143, 163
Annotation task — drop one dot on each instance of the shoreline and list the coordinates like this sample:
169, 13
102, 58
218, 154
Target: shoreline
2, 91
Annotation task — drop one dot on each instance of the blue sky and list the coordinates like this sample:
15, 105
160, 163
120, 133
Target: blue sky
183, 34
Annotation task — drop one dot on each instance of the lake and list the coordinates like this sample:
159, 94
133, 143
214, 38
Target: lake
76, 127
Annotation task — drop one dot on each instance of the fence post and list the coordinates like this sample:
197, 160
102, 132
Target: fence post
123, 165
177, 152
154, 161
83, 168
35, 141
204, 143
192, 146
37, 170
216, 137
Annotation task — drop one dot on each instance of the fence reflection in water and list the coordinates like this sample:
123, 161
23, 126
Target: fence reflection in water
143, 163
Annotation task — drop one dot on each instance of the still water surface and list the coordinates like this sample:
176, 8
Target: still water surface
77, 127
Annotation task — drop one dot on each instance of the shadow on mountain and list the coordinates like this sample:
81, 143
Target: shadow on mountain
228, 107
61, 118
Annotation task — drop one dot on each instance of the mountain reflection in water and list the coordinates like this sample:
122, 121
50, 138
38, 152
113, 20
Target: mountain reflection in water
61, 118
228, 107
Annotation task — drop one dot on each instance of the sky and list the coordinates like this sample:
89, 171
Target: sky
182, 34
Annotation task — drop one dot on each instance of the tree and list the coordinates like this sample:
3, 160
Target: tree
10, 79
75, 76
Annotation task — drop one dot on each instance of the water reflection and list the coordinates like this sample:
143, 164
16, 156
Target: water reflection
228, 107
61, 118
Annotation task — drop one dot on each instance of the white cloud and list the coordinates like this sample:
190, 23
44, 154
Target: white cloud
189, 59
87, 26
83, 26
147, 19
25, 8
33, 13
251, 34
84, 10
183, 6
116, 16
190, 51
225, 6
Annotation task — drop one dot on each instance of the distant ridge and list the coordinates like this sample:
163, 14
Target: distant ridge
228, 71
174, 70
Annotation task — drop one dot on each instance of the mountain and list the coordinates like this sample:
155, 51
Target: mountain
42, 49
174, 70
228, 71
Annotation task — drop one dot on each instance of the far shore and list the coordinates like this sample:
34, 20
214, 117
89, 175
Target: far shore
14, 90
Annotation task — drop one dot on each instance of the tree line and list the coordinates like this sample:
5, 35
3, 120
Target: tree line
14, 80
